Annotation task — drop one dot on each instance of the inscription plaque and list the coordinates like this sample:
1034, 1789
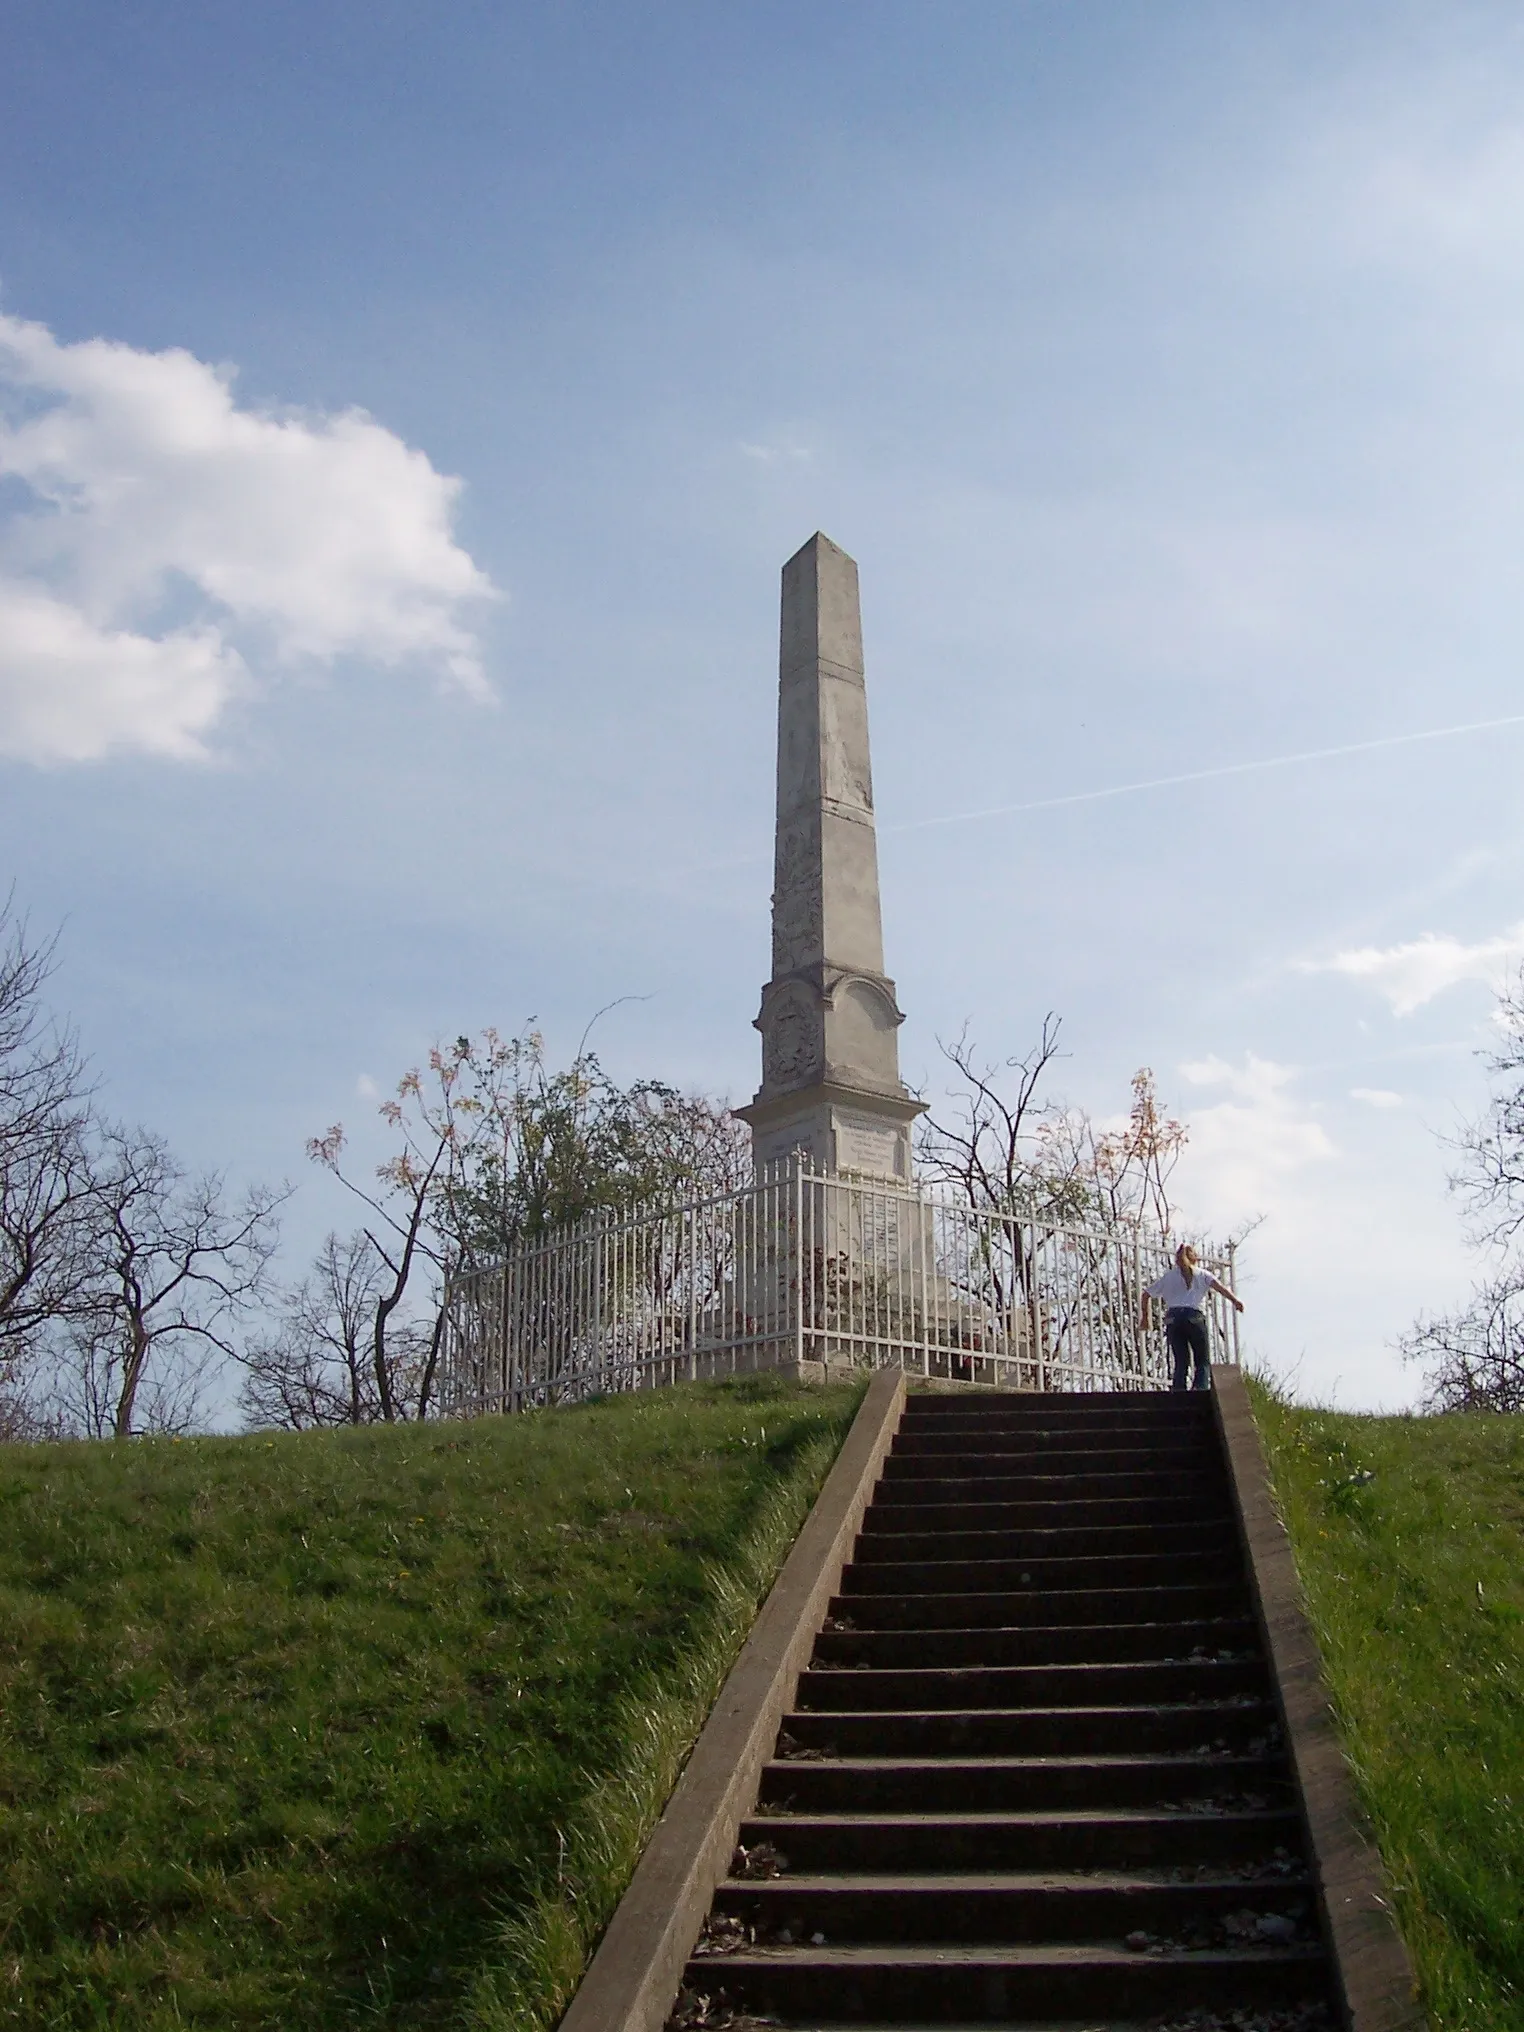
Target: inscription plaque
865, 1145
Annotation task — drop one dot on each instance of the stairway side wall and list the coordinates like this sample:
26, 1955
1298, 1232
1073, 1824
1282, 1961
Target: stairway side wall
1373, 1968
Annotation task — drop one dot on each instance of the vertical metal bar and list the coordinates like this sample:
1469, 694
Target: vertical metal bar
801, 1256
1233, 1286
690, 1222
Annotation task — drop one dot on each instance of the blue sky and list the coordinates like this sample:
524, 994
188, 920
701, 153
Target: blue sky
1161, 366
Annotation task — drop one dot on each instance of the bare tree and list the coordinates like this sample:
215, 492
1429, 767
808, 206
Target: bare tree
1009, 1147
175, 1267
45, 1170
317, 1368
1474, 1359
29, 1406
698, 1148
403, 1233
988, 1146
1489, 1179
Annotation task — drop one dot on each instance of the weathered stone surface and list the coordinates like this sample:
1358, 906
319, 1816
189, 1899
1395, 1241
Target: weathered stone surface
829, 1019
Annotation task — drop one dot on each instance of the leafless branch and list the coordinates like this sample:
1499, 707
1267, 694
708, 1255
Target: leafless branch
1473, 1359
317, 1368
174, 1268
45, 1171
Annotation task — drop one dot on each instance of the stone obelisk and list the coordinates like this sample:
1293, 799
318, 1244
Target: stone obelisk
829, 1020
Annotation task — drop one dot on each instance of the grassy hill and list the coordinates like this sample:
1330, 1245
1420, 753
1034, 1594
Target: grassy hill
362, 1729
1409, 1537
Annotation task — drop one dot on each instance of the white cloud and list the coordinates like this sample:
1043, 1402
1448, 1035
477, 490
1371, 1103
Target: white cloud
773, 454
69, 690
1412, 974
1246, 1150
167, 538
1376, 1097
366, 1088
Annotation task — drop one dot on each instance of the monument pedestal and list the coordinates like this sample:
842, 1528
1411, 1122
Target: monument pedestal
838, 1128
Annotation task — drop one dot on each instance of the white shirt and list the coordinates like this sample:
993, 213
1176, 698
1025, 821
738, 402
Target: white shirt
1175, 1290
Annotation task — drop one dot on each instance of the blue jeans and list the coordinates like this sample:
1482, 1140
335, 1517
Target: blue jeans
1186, 1336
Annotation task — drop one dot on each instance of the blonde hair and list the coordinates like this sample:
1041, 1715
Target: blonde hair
1186, 1257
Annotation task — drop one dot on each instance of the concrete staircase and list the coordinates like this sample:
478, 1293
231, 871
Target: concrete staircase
1034, 1776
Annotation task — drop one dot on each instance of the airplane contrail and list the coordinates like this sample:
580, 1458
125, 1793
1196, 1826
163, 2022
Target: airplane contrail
1204, 775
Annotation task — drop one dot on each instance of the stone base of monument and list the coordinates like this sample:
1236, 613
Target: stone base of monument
780, 1358
852, 1274
850, 1372
835, 1129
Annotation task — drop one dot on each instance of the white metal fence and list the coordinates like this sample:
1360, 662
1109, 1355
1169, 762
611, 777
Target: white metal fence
806, 1266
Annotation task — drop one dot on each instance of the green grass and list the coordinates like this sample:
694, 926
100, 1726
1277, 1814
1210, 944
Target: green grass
1409, 1538
365, 1729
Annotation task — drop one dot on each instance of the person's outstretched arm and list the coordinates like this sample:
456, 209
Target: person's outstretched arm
1223, 1292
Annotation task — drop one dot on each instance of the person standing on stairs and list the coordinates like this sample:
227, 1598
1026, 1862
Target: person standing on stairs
1183, 1292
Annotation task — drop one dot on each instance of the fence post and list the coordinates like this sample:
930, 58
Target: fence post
601, 1363
799, 1260
693, 1254
1233, 1286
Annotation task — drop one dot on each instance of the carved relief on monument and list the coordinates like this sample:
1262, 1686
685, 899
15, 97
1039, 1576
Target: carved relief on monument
797, 923
798, 934
790, 1026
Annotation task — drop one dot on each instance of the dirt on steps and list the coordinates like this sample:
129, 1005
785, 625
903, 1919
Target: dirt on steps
1035, 1776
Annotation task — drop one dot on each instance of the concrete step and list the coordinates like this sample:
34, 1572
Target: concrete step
1035, 1442
995, 1455
1186, 1407
1227, 1625
911, 1538
1142, 1414
1045, 1574
1207, 1729
1047, 1606
998, 1982
922, 1650
1019, 1906
1113, 1839
1309, 2018
907, 1510
1021, 1784
1131, 1445
955, 1478
1080, 1434
1132, 1685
